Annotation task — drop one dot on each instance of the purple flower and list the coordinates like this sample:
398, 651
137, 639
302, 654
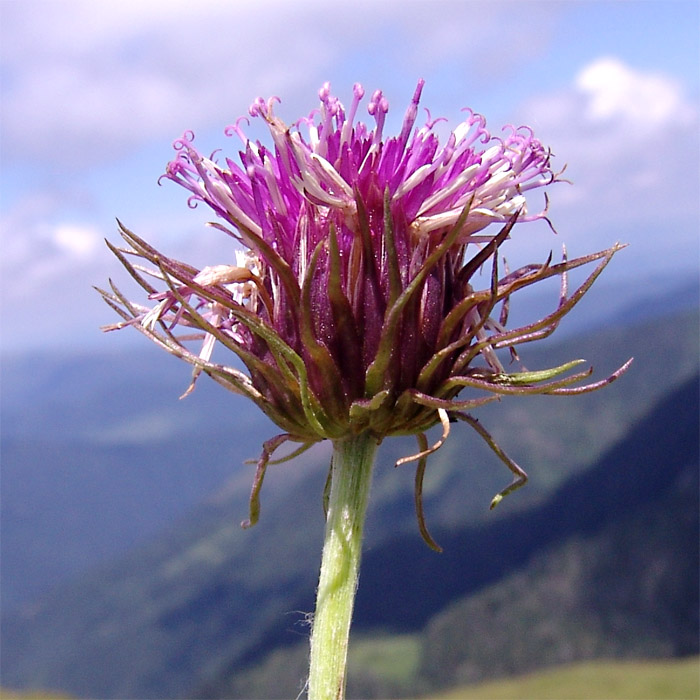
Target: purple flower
348, 291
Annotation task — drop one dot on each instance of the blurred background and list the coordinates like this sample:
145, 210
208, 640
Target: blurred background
124, 572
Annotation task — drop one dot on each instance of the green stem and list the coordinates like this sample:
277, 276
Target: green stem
351, 473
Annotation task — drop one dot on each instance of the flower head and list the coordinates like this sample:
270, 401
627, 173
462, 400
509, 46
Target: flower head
350, 296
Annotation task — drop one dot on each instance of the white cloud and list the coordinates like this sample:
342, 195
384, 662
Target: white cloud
631, 139
42, 246
87, 81
616, 92
87, 87
50, 259
78, 241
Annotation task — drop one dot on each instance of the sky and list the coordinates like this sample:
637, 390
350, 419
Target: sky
93, 93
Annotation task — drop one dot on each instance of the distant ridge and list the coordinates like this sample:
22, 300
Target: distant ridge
403, 582
158, 611
607, 567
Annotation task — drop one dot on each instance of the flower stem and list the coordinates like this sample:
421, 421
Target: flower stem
351, 473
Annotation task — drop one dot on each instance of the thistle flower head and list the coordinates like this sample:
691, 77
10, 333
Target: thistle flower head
348, 289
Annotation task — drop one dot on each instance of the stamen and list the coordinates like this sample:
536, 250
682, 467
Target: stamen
378, 107
411, 114
358, 93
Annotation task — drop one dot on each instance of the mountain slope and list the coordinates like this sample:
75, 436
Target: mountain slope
628, 590
613, 680
98, 455
636, 472
208, 597
608, 567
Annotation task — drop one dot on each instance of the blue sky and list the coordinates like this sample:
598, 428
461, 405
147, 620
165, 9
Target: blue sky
94, 92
